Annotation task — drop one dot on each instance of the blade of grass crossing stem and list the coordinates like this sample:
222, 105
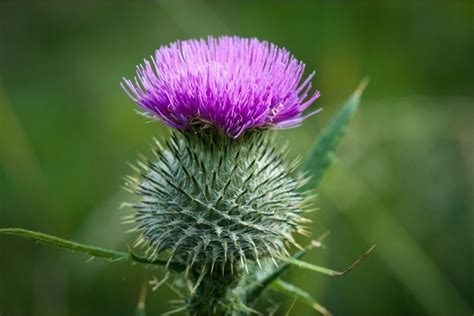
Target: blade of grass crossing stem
296, 292
322, 153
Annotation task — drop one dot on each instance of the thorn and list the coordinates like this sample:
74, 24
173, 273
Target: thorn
212, 266
199, 280
323, 236
142, 298
156, 283
169, 261
297, 245
174, 311
124, 205
194, 258
274, 261
224, 244
321, 309
139, 242
291, 307
362, 85
318, 243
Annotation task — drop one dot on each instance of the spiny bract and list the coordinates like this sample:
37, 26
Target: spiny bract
211, 201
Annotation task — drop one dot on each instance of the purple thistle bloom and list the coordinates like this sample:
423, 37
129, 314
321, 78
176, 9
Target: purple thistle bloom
232, 83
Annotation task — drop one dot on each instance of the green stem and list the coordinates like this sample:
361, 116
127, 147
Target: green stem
63, 243
87, 249
213, 292
305, 265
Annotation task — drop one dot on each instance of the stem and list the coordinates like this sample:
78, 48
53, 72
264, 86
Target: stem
323, 270
87, 249
212, 294
67, 244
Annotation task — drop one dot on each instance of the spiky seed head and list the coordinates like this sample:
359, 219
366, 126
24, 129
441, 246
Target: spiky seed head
211, 201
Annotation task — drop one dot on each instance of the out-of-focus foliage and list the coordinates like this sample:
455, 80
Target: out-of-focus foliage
403, 177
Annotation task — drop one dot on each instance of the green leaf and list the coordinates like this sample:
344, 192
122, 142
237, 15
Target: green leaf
323, 270
87, 249
67, 244
296, 292
322, 153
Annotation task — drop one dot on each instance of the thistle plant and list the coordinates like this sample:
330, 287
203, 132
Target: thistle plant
218, 205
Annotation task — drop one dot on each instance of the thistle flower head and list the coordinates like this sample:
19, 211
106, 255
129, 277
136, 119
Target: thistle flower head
231, 83
210, 201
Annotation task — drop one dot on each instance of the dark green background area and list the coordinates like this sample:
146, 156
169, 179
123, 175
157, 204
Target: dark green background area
402, 178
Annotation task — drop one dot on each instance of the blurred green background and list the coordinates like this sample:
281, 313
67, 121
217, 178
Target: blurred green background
402, 179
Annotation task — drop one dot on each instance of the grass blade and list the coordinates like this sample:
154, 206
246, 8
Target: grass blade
322, 153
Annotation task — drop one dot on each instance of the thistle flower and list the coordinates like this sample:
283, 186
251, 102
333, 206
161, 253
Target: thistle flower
219, 197
231, 83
